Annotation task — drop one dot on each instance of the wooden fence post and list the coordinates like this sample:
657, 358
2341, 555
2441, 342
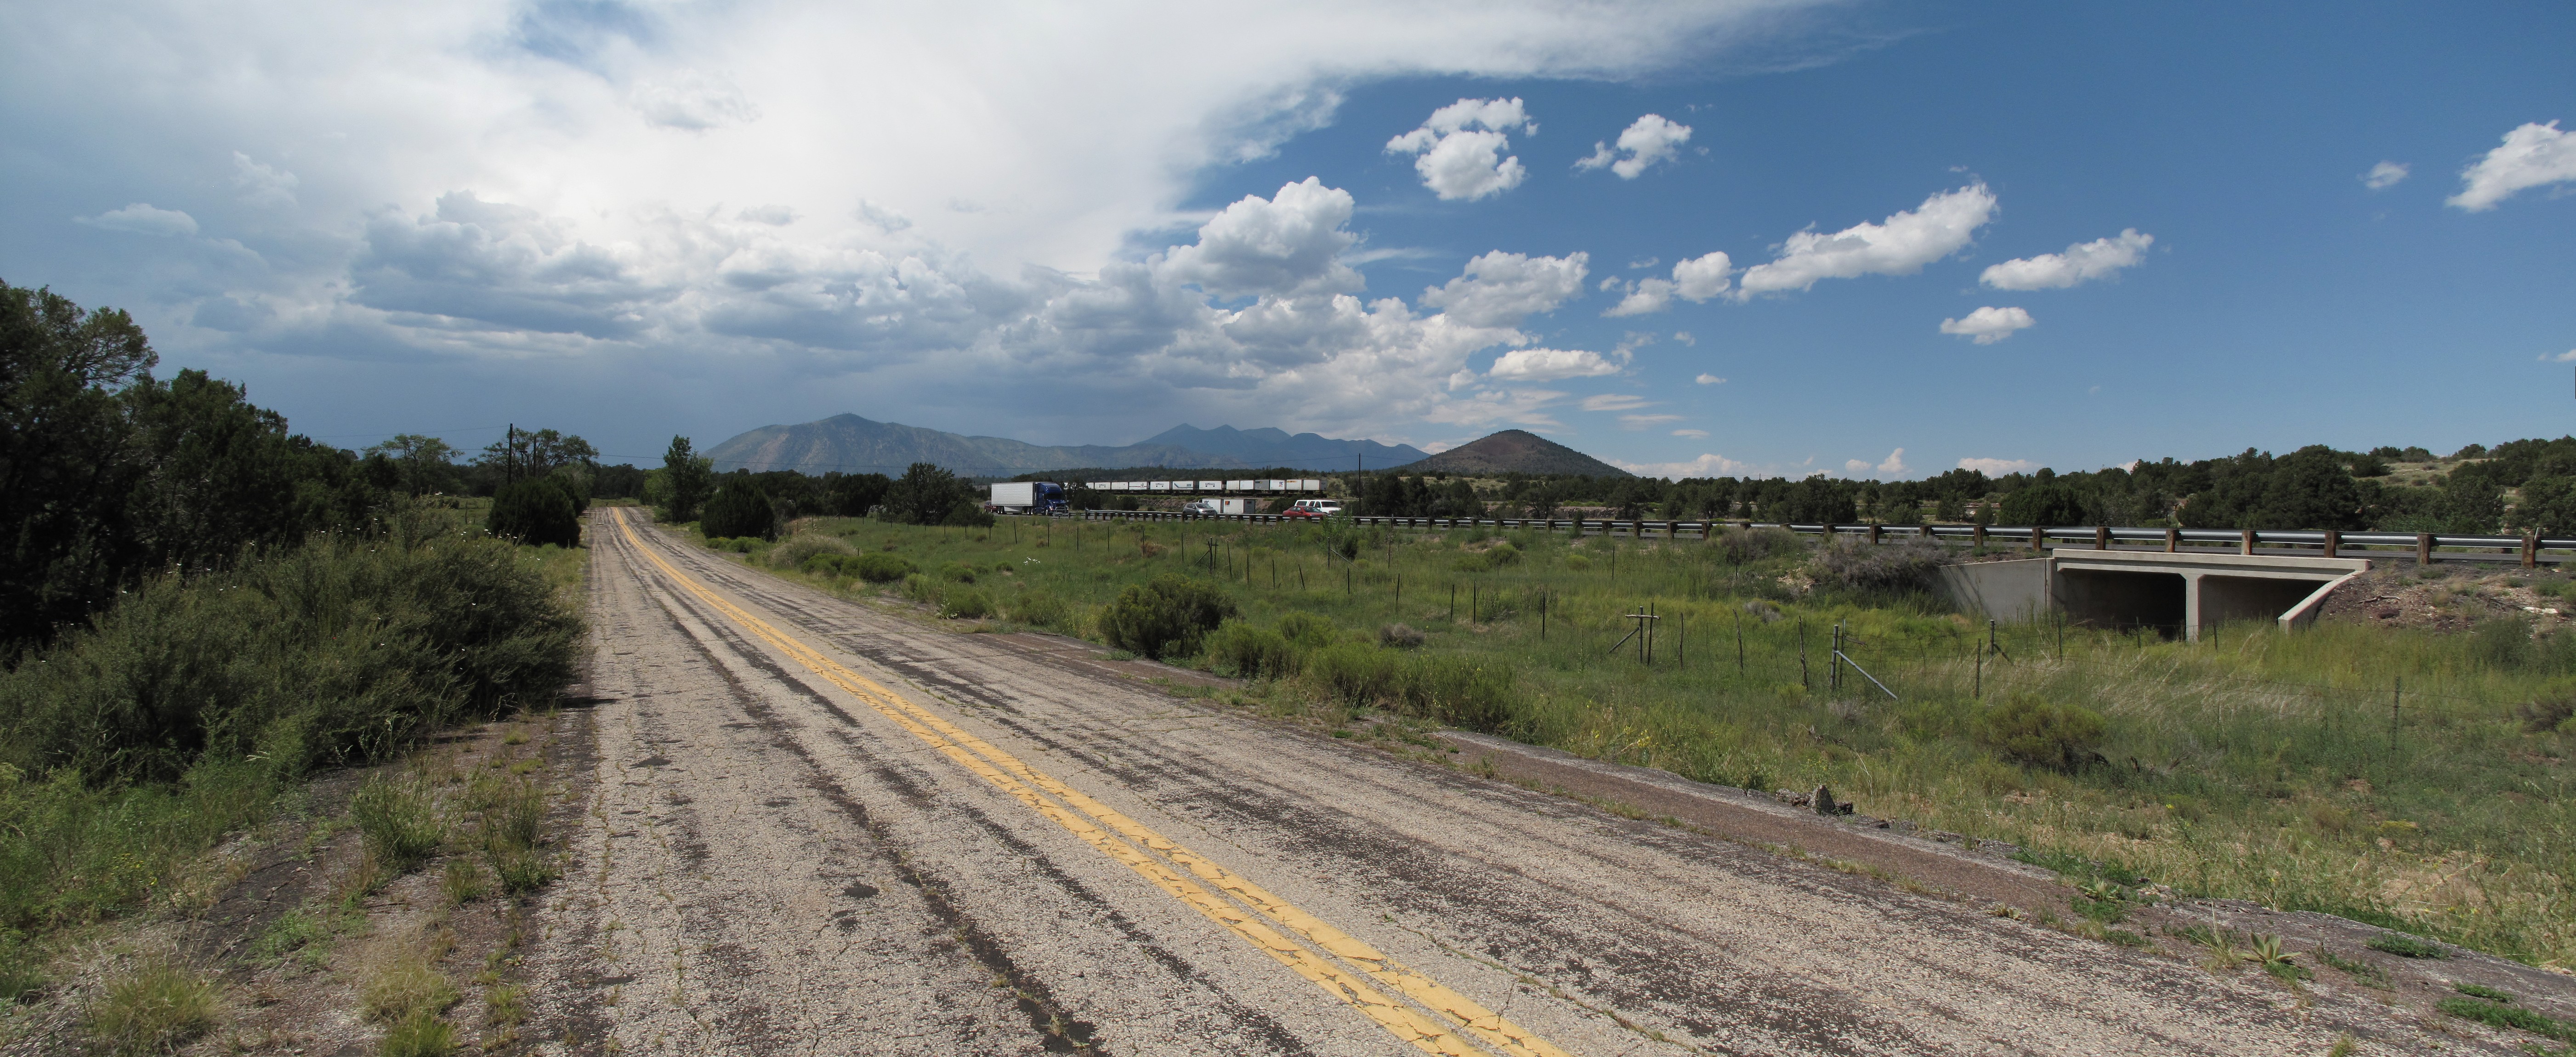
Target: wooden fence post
1977, 536
2173, 539
2334, 542
2101, 537
2039, 538
2423, 548
2249, 542
2530, 550
1873, 535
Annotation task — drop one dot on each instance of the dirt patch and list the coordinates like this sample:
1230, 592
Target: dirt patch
2449, 597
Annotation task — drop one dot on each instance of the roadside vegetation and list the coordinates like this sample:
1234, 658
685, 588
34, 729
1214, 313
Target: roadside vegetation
2399, 776
200, 611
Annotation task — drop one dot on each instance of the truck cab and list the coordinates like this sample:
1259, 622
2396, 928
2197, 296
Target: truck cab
1315, 508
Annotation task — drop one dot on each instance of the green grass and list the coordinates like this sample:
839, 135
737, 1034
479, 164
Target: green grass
399, 818
2498, 1015
2251, 765
419, 1035
155, 1006
512, 811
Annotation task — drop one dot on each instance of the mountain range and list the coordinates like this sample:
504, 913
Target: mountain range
852, 444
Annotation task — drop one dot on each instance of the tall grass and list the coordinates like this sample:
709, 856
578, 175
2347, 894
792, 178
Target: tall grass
2252, 764
181, 713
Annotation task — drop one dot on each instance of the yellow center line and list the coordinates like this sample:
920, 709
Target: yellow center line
1016, 778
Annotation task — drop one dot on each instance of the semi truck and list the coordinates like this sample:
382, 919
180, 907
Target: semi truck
1028, 497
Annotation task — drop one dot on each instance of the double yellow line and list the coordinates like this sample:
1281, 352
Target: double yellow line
1346, 968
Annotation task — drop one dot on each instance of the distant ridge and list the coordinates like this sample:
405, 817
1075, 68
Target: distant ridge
852, 444
1514, 451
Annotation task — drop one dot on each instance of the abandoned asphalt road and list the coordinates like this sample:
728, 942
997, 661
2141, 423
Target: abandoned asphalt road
812, 825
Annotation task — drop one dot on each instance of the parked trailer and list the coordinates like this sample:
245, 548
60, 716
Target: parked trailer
1023, 497
1236, 506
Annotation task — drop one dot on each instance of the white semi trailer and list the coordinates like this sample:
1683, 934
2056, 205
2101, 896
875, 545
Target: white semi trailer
1028, 497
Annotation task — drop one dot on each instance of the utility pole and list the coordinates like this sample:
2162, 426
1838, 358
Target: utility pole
510, 455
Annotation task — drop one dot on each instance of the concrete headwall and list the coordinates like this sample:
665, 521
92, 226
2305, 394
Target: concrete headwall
2140, 589
2010, 590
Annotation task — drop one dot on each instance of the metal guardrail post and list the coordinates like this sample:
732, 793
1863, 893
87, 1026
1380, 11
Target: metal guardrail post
2249, 542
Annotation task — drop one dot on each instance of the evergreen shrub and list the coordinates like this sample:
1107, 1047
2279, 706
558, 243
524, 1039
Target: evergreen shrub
535, 512
1165, 617
741, 508
2033, 730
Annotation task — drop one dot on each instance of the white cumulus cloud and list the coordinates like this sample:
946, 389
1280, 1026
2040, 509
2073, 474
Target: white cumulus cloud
1694, 434
1696, 280
142, 219
1540, 365
2082, 262
1460, 149
1498, 289
1902, 245
1989, 325
2533, 155
1648, 140
1998, 467
1707, 465
1893, 465
1286, 244
2384, 174
1709, 379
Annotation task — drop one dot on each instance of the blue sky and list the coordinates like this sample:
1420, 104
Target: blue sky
634, 220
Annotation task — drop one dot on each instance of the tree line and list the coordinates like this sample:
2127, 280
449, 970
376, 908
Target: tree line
2522, 485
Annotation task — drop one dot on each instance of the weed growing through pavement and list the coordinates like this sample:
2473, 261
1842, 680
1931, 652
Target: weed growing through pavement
2405, 946
2268, 955
2362, 972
